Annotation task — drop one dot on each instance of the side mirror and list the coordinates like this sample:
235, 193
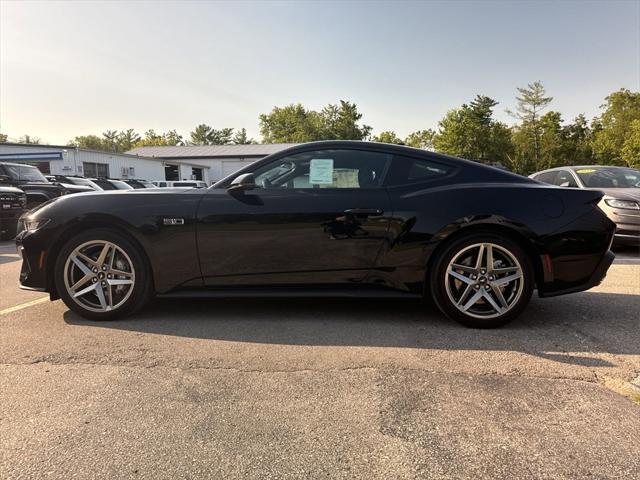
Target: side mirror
5, 178
242, 183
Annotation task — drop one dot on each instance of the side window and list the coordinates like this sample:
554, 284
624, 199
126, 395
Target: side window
565, 179
405, 170
339, 168
547, 177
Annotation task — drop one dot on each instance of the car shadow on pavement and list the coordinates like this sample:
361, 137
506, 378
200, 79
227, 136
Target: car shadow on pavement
4, 258
586, 322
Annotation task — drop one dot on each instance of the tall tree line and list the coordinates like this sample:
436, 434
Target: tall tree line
538, 139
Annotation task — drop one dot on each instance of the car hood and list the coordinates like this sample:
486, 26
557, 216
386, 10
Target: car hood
10, 190
622, 193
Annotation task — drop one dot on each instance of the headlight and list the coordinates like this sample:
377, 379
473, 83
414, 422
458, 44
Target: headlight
33, 225
619, 203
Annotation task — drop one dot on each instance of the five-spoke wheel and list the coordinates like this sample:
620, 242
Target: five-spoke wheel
482, 280
101, 274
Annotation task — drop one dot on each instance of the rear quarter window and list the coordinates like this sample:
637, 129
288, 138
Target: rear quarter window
406, 170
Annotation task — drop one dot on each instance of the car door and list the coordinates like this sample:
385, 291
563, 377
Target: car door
316, 217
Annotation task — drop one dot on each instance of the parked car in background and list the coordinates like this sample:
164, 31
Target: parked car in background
139, 183
111, 184
73, 180
13, 203
180, 184
325, 219
621, 186
35, 185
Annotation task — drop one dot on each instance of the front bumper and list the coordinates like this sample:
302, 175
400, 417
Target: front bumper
33, 273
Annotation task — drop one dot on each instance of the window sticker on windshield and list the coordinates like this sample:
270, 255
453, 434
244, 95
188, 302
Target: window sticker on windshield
586, 170
321, 171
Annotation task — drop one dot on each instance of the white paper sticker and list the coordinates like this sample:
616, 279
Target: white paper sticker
321, 171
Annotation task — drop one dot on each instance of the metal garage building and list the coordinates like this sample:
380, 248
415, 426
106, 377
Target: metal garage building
221, 160
63, 160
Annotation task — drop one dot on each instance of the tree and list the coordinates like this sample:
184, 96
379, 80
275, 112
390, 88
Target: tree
471, 132
290, 124
151, 139
3, 138
200, 135
29, 139
630, 153
614, 127
126, 140
531, 101
91, 142
421, 139
241, 138
172, 138
110, 140
205, 135
295, 124
388, 136
340, 122
577, 138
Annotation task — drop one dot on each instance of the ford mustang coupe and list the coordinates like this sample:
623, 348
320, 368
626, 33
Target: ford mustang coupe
325, 219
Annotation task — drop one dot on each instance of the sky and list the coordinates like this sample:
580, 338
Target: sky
77, 68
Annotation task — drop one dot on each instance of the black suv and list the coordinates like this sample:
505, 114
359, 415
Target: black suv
13, 203
34, 184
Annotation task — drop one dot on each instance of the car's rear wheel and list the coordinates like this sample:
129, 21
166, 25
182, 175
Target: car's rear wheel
101, 275
482, 280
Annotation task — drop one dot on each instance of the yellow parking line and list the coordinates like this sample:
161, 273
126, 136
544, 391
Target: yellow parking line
24, 305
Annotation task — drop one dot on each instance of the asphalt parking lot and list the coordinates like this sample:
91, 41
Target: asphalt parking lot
321, 388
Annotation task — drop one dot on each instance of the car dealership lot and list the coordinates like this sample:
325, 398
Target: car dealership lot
320, 388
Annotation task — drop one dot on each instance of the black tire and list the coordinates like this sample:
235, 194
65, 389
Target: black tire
142, 286
438, 279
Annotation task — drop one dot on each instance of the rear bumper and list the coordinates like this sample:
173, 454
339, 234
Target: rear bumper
594, 279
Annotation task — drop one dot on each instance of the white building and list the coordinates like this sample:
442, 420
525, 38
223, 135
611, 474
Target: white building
62, 160
221, 160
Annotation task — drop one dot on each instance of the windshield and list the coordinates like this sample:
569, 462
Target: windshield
609, 177
120, 185
24, 172
82, 181
185, 184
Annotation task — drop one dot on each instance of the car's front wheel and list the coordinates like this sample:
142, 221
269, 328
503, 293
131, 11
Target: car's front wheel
101, 275
482, 280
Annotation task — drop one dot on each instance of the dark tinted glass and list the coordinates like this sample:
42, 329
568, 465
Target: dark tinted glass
413, 170
565, 179
547, 177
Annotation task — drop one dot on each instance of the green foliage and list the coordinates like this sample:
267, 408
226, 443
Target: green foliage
127, 139
3, 138
421, 139
152, 139
530, 103
340, 122
206, 135
471, 132
296, 124
615, 128
241, 137
388, 136
92, 142
631, 149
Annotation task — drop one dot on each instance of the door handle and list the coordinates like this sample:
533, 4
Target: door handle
364, 211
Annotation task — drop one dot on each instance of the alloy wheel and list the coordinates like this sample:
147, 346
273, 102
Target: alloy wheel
484, 280
99, 276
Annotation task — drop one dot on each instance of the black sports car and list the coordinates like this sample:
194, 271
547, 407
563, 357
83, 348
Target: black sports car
325, 218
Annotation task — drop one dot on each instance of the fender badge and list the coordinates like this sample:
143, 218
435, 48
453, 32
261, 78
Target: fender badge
173, 221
